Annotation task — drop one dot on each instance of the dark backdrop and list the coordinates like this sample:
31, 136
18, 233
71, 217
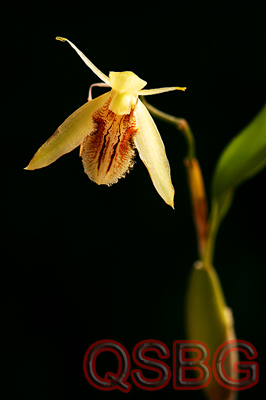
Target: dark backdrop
83, 262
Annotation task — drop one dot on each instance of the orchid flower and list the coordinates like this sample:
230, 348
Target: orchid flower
107, 129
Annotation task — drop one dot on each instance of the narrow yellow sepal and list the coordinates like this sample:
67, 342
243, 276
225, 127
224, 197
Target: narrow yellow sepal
152, 152
96, 70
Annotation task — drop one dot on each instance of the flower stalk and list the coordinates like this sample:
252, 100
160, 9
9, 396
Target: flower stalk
194, 175
180, 124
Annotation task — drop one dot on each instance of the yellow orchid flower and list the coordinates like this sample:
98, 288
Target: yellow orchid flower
107, 129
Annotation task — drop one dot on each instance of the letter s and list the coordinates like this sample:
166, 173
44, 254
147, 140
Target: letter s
164, 373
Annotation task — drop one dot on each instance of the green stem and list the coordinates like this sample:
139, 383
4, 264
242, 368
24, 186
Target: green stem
212, 232
180, 123
194, 175
219, 209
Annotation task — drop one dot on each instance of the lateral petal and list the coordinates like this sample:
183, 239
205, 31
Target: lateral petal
148, 92
152, 152
69, 135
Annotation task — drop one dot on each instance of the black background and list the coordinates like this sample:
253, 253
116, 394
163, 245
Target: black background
83, 262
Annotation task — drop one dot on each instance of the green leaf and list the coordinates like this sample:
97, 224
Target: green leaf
244, 157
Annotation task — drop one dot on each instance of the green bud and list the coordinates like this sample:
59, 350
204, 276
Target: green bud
210, 321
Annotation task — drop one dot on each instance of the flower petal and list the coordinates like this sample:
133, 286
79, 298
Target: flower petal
152, 152
126, 81
122, 102
100, 74
69, 135
148, 92
108, 152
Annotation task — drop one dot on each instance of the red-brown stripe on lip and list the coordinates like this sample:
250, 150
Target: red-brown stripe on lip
108, 152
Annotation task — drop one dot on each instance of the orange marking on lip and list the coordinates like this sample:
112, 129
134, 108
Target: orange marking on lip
108, 152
